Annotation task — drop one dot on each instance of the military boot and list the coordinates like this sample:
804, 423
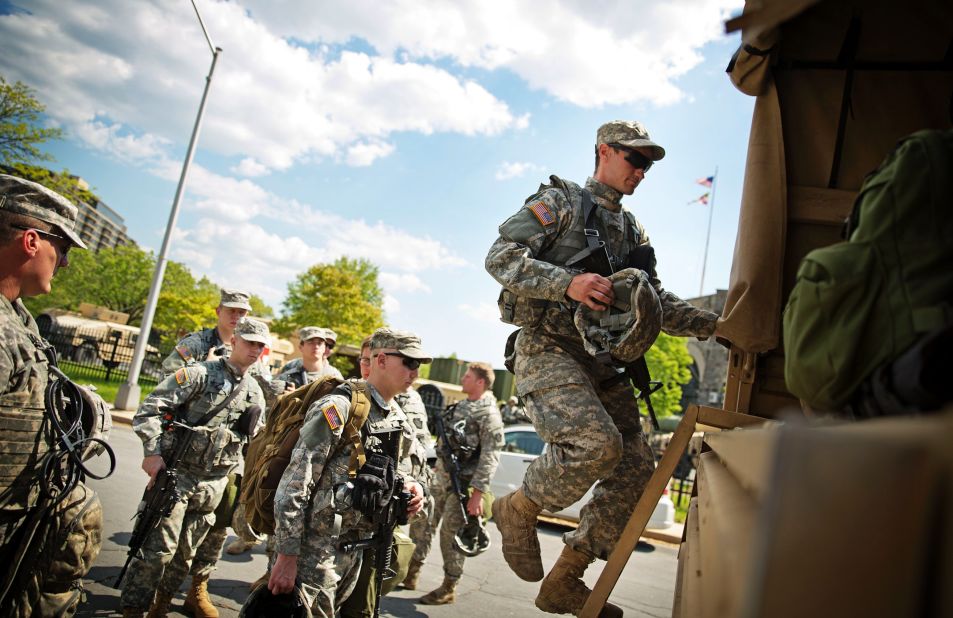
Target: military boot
239, 546
413, 574
515, 516
444, 594
197, 602
563, 592
160, 605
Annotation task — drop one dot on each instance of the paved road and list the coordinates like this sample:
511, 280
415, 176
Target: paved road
488, 588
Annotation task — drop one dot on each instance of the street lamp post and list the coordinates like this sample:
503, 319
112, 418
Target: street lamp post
128, 396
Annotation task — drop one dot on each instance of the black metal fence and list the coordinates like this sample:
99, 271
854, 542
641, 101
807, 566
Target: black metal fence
95, 349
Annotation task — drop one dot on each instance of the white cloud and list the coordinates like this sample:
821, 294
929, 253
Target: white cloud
402, 282
482, 312
249, 168
391, 305
587, 53
363, 154
514, 169
107, 68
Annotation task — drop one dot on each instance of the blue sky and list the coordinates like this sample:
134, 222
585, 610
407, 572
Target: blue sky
402, 132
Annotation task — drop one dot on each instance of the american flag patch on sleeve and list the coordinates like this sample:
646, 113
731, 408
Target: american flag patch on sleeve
542, 213
332, 416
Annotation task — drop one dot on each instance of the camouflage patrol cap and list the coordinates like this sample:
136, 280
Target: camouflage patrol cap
626, 330
25, 197
404, 342
330, 336
250, 329
628, 133
234, 298
306, 333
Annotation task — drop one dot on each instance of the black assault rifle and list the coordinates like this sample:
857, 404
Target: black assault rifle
158, 500
385, 520
452, 463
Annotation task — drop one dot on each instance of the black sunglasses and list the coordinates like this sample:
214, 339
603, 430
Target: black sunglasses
635, 158
63, 250
409, 363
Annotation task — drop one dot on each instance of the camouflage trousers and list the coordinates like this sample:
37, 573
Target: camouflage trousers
327, 575
169, 549
446, 515
594, 436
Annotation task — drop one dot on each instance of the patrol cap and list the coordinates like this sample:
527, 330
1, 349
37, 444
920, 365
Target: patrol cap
306, 333
25, 197
253, 330
234, 298
330, 336
628, 133
404, 342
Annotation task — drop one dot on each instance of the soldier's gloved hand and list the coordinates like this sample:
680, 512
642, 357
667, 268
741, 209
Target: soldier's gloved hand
372, 484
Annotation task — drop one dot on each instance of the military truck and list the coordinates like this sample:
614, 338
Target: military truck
96, 337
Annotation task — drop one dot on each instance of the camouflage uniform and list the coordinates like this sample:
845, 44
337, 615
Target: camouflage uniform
308, 522
215, 451
483, 433
24, 374
295, 373
193, 348
593, 430
360, 603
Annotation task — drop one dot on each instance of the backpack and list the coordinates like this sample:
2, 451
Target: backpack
859, 304
270, 450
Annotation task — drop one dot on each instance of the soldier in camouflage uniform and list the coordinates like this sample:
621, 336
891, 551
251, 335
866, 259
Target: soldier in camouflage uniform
592, 426
209, 344
36, 233
360, 603
475, 432
225, 388
313, 509
313, 342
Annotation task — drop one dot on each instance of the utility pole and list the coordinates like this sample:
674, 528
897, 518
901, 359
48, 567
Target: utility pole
128, 396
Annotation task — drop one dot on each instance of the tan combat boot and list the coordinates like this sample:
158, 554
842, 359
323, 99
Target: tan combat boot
563, 592
160, 605
413, 574
197, 602
515, 516
442, 595
239, 546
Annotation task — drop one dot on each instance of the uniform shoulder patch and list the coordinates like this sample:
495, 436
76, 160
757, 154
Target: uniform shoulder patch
182, 376
332, 416
184, 352
542, 212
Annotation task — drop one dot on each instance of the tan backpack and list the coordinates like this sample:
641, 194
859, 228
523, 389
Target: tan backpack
270, 451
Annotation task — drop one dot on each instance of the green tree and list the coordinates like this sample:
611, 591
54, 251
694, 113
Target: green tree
63, 182
344, 296
19, 134
119, 279
668, 361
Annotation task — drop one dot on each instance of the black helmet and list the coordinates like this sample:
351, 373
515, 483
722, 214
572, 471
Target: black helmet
261, 603
471, 539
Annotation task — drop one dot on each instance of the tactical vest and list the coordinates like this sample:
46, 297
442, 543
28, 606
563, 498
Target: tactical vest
23, 446
521, 311
215, 449
379, 434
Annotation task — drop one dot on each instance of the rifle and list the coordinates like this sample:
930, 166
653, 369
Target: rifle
157, 501
385, 520
452, 463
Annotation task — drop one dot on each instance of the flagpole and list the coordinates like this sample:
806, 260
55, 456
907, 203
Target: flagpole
711, 210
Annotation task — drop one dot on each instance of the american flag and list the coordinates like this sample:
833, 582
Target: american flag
542, 213
706, 182
702, 199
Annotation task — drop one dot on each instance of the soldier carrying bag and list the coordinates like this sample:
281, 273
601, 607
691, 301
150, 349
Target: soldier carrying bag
270, 451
